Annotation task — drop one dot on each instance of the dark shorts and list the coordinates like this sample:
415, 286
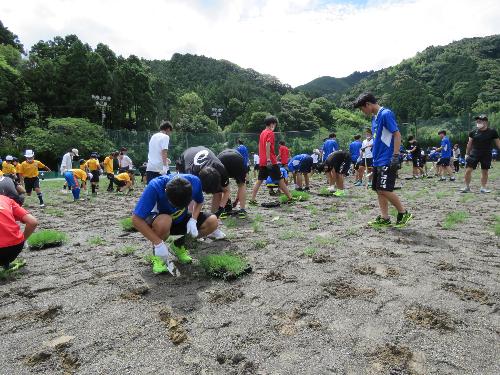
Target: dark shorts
256, 167
95, 176
384, 178
9, 254
150, 175
339, 164
124, 169
417, 162
445, 162
369, 162
119, 183
180, 227
305, 165
234, 164
475, 158
31, 183
274, 172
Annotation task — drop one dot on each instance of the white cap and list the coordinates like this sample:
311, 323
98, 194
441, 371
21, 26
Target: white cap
75, 151
316, 151
9, 158
29, 154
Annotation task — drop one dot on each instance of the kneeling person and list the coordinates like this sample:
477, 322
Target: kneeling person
124, 180
72, 176
301, 165
162, 210
338, 164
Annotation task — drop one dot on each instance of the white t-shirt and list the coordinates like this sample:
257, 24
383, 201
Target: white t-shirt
67, 163
256, 159
368, 150
125, 162
315, 158
157, 144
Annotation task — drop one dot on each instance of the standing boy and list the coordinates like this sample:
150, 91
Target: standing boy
158, 161
95, 170
386, 142
29, 175
109, 169
445, 159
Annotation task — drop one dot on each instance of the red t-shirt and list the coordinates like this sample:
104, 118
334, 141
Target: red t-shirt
10, 232
284, 154
267, 135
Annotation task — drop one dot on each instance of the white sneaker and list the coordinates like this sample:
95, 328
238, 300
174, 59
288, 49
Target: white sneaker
64, 191
42, 205
484, 190
465, 190
217, 235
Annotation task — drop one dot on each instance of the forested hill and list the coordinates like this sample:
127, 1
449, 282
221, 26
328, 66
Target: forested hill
451, 80
331, 86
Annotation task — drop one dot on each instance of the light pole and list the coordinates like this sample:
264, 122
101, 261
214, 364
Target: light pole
102, 102
217, 112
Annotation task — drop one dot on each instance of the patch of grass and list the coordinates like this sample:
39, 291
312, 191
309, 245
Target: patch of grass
454, 218
54, 212
313, 226
126, 224
312, 209
496, 226
225, 265
127, 250
325, 192
260, 244
442, 194
310, 251
288, 235
46, 238
466, 198
96, 241
256, 223
324, 241
230, 222
296, 195
350, 214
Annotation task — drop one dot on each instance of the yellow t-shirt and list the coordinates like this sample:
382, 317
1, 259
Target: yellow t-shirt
18, 168
123, 177
8, 168
30, 170
83, 166
93, 164
78, 173
108, 164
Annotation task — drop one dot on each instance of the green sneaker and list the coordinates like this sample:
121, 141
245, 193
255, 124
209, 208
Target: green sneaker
242, 214
380, 222
252, 202
182, 254
340, 193
223, 216
403, 219
16, 264
159, 265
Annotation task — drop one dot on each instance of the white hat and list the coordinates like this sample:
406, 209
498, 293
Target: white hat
316, 151
9, 158
29, 154
75, 151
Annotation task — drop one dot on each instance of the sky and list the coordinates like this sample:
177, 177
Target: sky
294, 40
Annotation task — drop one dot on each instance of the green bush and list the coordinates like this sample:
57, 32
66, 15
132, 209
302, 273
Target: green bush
46, 238
226, 266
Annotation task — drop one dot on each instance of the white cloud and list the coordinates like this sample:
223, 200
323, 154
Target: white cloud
295, 40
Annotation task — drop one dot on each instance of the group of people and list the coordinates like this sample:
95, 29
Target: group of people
171, 204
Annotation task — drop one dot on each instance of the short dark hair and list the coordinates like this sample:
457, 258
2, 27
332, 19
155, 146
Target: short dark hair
357, 136
442, 132
179, 192
368, 130
361, 100
332, 135
411, 138
123, 149
210, 180
270, 120
282, 143
166, 125
240, 141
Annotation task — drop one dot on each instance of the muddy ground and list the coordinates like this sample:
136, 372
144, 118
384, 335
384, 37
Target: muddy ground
328, 294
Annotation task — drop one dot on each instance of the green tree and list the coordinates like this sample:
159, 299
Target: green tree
9, 38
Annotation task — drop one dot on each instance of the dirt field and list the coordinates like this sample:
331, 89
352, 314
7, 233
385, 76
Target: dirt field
328, 294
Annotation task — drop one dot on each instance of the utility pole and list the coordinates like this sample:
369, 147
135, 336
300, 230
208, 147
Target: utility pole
217, 112
102, 102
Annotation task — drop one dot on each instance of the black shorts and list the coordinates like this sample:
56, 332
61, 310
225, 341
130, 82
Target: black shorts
123, 169
384, 178
305, 165
417, 162
256, 167
119, 183
150, 175
445, 162
234, 164
180, 227
95, 176
369, 162
339, 164
274, 172
9, 254
31, 183
479, 157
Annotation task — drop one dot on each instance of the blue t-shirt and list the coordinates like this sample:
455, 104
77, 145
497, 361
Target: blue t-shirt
329, 146
154, 199
446, 148
294, 163
384, 126
243, 150
284, 174
355, 150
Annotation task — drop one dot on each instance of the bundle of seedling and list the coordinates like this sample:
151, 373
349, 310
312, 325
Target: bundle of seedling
127, 225
324, 192
46, 238
226, 266
296, 196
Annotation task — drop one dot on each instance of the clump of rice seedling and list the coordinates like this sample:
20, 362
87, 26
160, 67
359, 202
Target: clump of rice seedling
227, 266
313, 226
230, 222
127, 225
496, 225
260, 244
296, 196
128, 250
256, 223
442, 194
46, 238
454, 218
310, 251
54, 212
325, 192
96, 241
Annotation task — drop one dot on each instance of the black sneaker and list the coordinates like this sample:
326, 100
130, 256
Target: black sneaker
306, 188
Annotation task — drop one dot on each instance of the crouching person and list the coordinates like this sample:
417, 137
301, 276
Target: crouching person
162, 210
72, 176
11, 238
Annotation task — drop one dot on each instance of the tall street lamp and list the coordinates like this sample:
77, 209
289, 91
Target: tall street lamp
217, 112
102, 102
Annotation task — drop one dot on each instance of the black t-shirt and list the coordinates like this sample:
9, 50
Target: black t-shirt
194, 159
417, 151
335, 159
482, 140
234, 164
